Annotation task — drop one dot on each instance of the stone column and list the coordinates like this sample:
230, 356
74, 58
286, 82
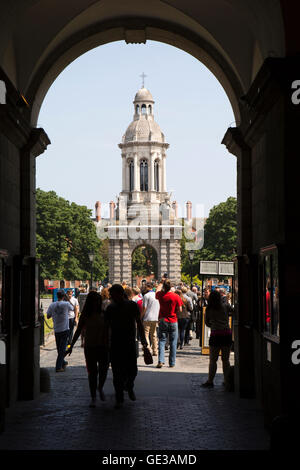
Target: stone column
164, 176
152, 159
20, 144
136, 174
164, 262
115, 261
126, 262
124, 173
174, 260
160, 170
136, 177
243, 335
29, 334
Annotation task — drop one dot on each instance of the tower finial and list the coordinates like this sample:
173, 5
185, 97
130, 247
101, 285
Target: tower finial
143, 77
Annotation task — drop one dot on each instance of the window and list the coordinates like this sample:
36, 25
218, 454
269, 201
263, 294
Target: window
131, 175
144, 175
149, 109
144, 109
156, 175
137, 109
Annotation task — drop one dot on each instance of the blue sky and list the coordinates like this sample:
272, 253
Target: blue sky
89, 107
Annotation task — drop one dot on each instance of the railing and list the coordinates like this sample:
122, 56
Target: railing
44, 337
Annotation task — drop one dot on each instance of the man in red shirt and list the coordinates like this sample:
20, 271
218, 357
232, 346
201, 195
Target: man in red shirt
170, 304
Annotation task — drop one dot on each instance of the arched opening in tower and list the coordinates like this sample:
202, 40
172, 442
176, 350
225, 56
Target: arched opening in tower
144, 264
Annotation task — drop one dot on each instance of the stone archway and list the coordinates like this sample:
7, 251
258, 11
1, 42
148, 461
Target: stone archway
254, 56
137, 30
120, 258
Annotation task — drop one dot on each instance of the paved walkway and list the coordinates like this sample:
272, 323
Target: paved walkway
172, 411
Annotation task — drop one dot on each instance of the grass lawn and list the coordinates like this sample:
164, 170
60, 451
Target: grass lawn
45, 296
49, 321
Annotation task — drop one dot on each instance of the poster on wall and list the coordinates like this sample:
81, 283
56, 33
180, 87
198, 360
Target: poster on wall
270, 290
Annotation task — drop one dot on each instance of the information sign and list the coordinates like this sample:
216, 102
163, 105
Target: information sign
226, 268
209, 267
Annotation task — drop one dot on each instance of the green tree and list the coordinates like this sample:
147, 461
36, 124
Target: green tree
220, 231
220, 237
144, 261
65, 236
187, 279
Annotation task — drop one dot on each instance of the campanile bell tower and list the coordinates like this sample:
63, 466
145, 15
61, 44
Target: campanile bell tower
144, 154
144, 214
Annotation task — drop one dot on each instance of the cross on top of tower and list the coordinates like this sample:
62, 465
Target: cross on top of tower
143, 77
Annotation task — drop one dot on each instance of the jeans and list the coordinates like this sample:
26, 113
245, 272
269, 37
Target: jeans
170, 331
182, 325
187, 331
124, 367
61, 339
97, 364
213, 358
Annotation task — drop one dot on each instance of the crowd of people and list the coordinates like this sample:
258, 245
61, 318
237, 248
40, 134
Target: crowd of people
159, 315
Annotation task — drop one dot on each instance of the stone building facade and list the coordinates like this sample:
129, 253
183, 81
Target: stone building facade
255, 56
143, 214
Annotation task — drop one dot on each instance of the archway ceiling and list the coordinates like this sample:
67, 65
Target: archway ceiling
233, 29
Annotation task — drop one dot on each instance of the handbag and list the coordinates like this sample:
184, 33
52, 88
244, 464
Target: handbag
148, 356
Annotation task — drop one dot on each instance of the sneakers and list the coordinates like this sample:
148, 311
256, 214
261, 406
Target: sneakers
173, 365
207, 385
159, 365
60, 370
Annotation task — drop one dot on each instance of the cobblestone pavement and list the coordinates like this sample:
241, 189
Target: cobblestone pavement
172, 411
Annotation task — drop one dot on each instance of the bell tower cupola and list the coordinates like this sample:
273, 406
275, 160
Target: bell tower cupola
144, 154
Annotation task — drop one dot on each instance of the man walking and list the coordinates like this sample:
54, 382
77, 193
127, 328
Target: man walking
73, 314
190, 307
123, 316
170, 303
149, 316
59, 311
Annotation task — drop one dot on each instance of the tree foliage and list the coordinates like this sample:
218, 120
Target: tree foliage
220, 236
65, 235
